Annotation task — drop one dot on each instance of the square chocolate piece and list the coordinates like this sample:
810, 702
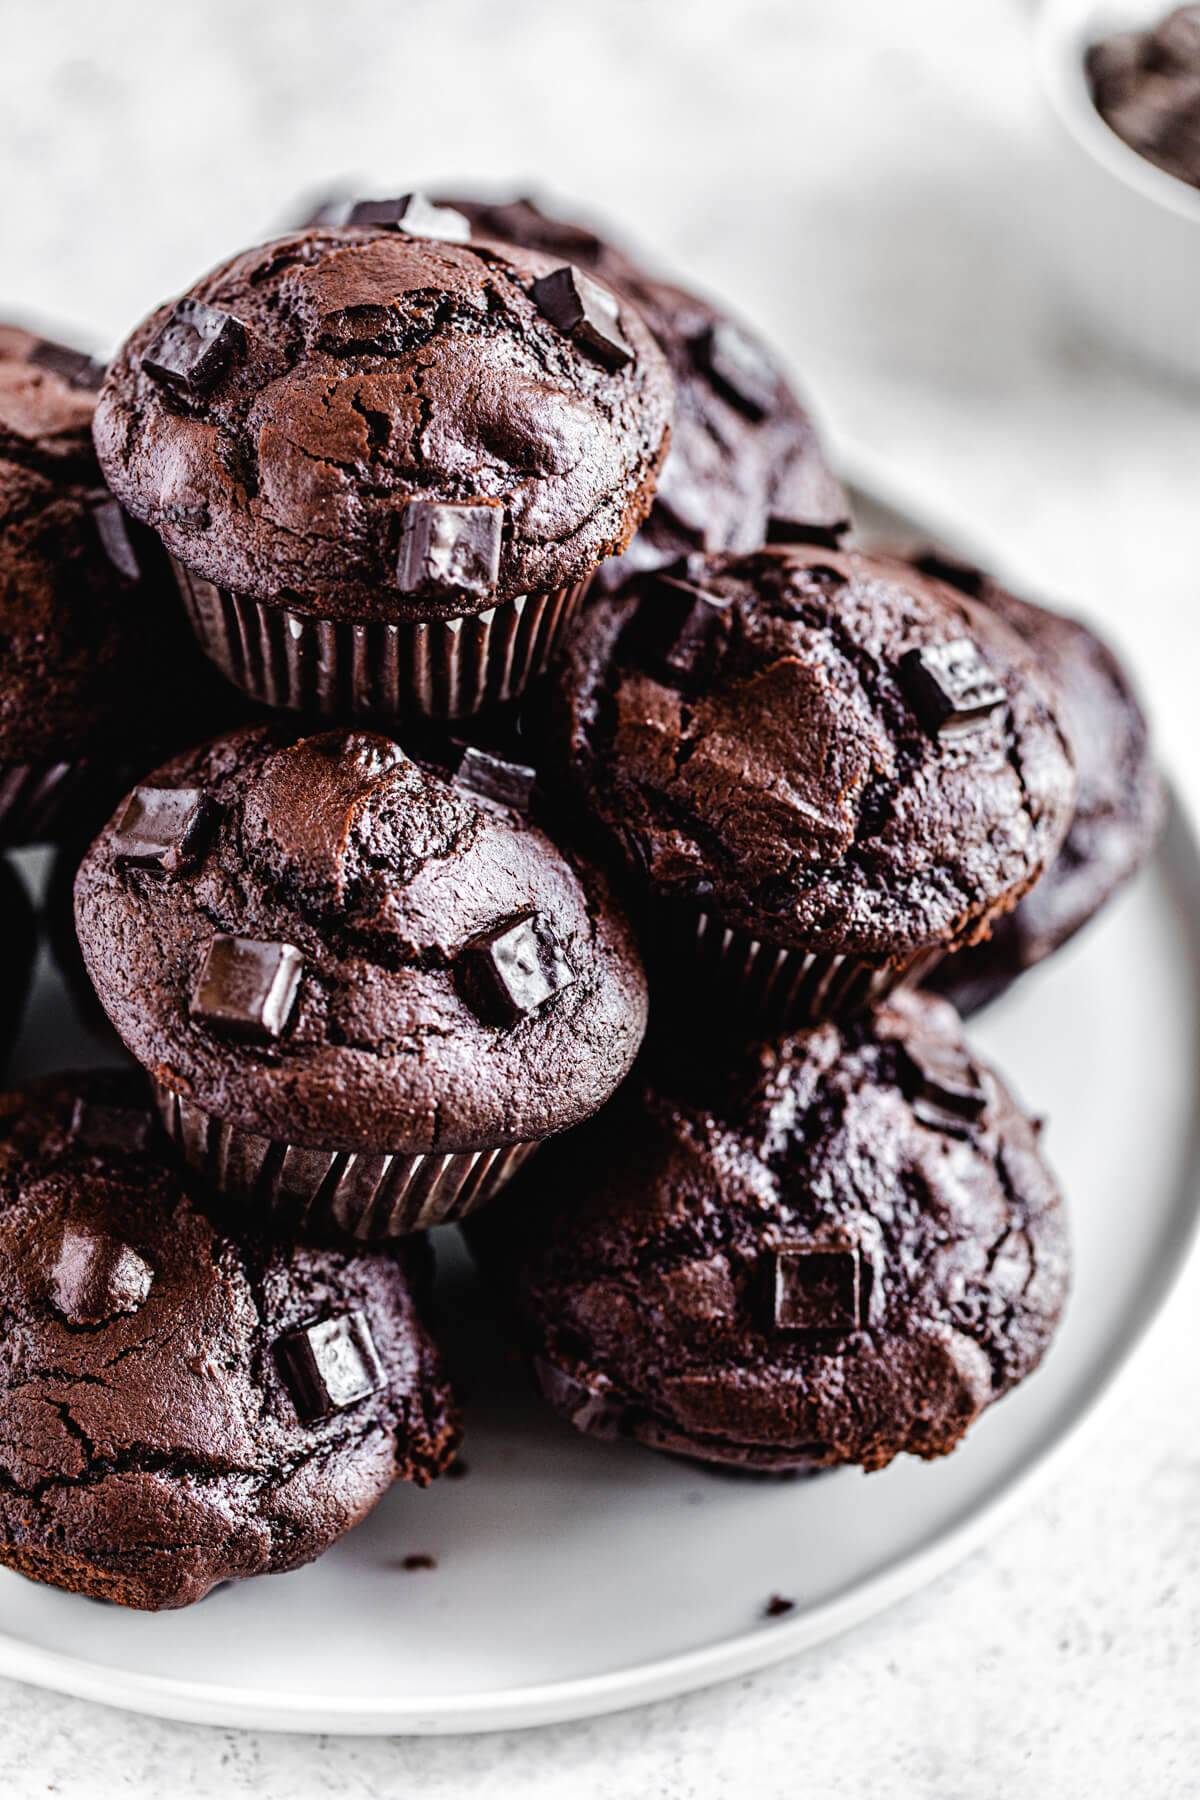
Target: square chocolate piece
162, 829
416, 215
445, 547
96, 1277
112, 528
949, 1095
818, 1287
512, 971
504, 783
247, 988
585, 312
194, 347
740, 367
952, 688
677, 628
330, 1365
107, 1130
74, 366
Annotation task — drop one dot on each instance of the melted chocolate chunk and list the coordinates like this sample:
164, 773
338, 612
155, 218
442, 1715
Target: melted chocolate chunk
95, 1277
739, 367
330, 1365
679, 629
73, 366
194, 347
108, 1130
507, 784
817, 1287
247, 988
949, 1095
415, 214
449, 547
593, 1410
512, 971
585, 312
112, 528
162, 829
951, 687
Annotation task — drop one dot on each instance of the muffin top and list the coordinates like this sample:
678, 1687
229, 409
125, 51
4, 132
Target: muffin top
835, 1248
1118, 807
181, 1403
745, 463
321, 941
91, 662
383, 426
829, 750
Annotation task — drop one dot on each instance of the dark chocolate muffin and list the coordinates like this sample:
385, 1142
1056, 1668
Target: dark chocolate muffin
95, 670
1146, 86
1118, 809
826, 767
840, 1248
746, 463
364, 989
385, 464
20, 949
182, 1402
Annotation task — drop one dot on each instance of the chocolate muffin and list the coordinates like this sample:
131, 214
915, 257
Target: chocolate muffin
94, 670
1118, 809
841, 1247
364, 989
20, 950
386, 464
1146, 86
826, 768
746, 464
183, 1402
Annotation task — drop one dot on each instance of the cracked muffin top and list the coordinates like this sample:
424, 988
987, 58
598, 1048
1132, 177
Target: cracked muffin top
84, 637
745, 465
1118, 809
321, 941
826, 1250
828, 750
378, 425
181, 1405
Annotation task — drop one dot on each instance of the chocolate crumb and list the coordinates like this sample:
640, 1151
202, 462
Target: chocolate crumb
419, 1560
776, 1607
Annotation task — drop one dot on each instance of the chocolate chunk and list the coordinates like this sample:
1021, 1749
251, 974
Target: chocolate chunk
740, 367
678, 628
330, 1365
105, 1130
951, 687
73, 366
481, 773
965, 576
95, 1277
818, 1287
585, 312
949, 1095
594, 1410
416, 215
247, 988
194, 347
827, 532
162, 829
449, 547
777, 1605
112, 528
362, 755
512, 971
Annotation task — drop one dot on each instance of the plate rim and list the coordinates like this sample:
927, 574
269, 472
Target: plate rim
589, 1696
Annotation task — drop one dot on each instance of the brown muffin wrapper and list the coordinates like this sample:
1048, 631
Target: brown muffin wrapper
360, 1194
348, 669
781, 988
42, 802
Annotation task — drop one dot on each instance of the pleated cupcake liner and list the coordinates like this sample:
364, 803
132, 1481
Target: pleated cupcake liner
779, 988
41, 802
366, 1195
345, 669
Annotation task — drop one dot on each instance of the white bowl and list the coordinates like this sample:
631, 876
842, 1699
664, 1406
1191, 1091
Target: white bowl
1127, 234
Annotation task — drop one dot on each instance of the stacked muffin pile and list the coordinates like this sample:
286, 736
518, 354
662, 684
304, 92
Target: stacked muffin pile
519, 689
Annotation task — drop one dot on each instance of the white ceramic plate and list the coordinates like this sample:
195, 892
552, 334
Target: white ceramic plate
575, 1577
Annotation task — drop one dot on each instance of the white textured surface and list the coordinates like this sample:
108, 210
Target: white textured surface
863, 178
